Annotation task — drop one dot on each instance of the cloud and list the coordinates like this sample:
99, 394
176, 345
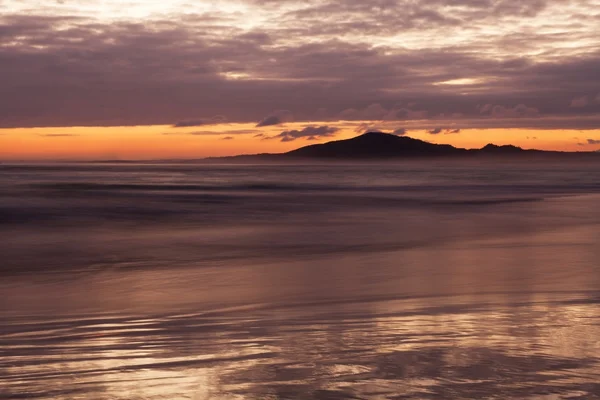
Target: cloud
445, 131
373, 111
376, 60
378, 112
593, 141
228, 138
276, 118
218, 119
309, 133
405, 114
365, 127
517, 111
579, 102
484, 109
268, 121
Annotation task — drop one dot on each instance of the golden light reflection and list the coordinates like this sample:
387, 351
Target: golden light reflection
390, 346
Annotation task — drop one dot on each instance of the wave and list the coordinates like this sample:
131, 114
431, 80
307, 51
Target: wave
213, 207
91, 186
312, 187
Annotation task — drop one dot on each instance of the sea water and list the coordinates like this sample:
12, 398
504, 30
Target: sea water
425, 280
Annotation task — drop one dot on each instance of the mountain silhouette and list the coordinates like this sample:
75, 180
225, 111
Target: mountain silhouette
375, 145
379, 145
505, 149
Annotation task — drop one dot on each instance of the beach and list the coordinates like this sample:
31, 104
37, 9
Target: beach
428, 280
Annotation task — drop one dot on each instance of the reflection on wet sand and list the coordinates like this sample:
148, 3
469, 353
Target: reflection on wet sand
528, 348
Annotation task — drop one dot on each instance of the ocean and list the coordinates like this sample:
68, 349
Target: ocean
408, 280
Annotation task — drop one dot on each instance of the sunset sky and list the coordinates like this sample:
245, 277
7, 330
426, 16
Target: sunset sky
113, 79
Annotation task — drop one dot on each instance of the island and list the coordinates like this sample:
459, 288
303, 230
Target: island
386, 146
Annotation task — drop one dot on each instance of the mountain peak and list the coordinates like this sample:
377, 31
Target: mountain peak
507, 148
376, 134
375, 145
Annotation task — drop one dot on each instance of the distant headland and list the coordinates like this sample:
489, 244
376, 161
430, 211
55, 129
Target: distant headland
385, 146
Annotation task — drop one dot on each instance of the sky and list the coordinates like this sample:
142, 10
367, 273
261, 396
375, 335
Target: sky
131, 79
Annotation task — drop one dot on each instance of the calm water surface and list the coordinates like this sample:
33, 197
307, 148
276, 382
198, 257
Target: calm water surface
400, 281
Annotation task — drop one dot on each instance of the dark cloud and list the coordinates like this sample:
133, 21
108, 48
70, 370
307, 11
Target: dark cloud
517, 111
309, 133
579, 102
268, 121
406, 113
359, 60
228, 138
437, 131
373, 111
593, 141
261, 38
366, 127
591, 122
276, 118
218, 119
388, 17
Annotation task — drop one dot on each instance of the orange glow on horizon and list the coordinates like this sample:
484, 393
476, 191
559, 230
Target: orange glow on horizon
165, 142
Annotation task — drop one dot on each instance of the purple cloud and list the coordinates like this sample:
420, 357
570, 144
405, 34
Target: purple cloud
65, 66
276, 118
579, 102
309, 133
218, 119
